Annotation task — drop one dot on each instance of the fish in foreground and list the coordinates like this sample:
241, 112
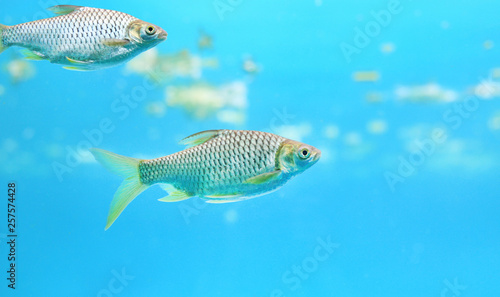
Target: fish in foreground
218, 166
83, 38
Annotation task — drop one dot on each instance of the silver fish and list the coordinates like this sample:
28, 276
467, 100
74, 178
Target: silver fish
83, 38
218, 166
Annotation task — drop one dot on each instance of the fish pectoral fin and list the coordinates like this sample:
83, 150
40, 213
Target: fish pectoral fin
199, 138
63, 9
76, 68
264, 178
77, 62
32, 55
115, 42
174, 195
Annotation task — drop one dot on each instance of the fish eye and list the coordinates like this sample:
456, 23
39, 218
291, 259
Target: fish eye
150, 30
304, 153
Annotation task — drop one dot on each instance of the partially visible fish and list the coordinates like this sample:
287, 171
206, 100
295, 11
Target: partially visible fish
83, 38
218, 166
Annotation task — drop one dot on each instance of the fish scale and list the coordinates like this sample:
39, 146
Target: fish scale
216, 165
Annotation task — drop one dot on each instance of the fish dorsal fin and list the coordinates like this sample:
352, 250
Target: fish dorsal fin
63, 9
199, 138
264, 178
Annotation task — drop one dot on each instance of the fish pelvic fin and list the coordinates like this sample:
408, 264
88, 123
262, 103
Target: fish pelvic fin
2, 46
131, 187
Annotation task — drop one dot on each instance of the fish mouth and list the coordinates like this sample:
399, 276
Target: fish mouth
317, 156
163, 35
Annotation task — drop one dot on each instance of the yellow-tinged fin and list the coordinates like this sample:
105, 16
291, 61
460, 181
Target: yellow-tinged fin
264, 178
2, 46
174, 195
115, 42
77, 62
126, 167
31, 55
63, 9
76, 68
199, 138
223, 198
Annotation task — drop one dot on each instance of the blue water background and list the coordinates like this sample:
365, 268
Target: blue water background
440, 226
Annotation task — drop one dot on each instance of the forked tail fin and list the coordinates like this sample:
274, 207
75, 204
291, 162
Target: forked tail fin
2, 46
126, 167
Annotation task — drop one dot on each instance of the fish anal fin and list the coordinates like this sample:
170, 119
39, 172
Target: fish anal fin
115, 42
199, 138
76, 68
224, 198
264, 178
216, 201
63, 9
77, 62
174, 195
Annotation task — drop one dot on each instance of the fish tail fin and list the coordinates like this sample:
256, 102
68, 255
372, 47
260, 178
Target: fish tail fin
2, 45
126, 167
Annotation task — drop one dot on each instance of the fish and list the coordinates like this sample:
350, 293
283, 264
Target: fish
83, 38
219, 166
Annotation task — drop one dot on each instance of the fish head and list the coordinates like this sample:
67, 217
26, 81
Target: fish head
146, 34
295, 157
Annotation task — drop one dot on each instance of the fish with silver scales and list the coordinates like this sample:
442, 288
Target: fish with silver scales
218, 166
83, 38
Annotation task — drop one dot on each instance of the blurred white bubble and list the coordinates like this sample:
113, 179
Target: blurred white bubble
294, 132
377, 126
431, 92
353, 139
28, 133
9, 145
331, 131
231, 216
156, 109
387, 47
494, 123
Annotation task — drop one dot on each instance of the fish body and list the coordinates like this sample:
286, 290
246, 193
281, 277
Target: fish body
83, 38
218, 166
